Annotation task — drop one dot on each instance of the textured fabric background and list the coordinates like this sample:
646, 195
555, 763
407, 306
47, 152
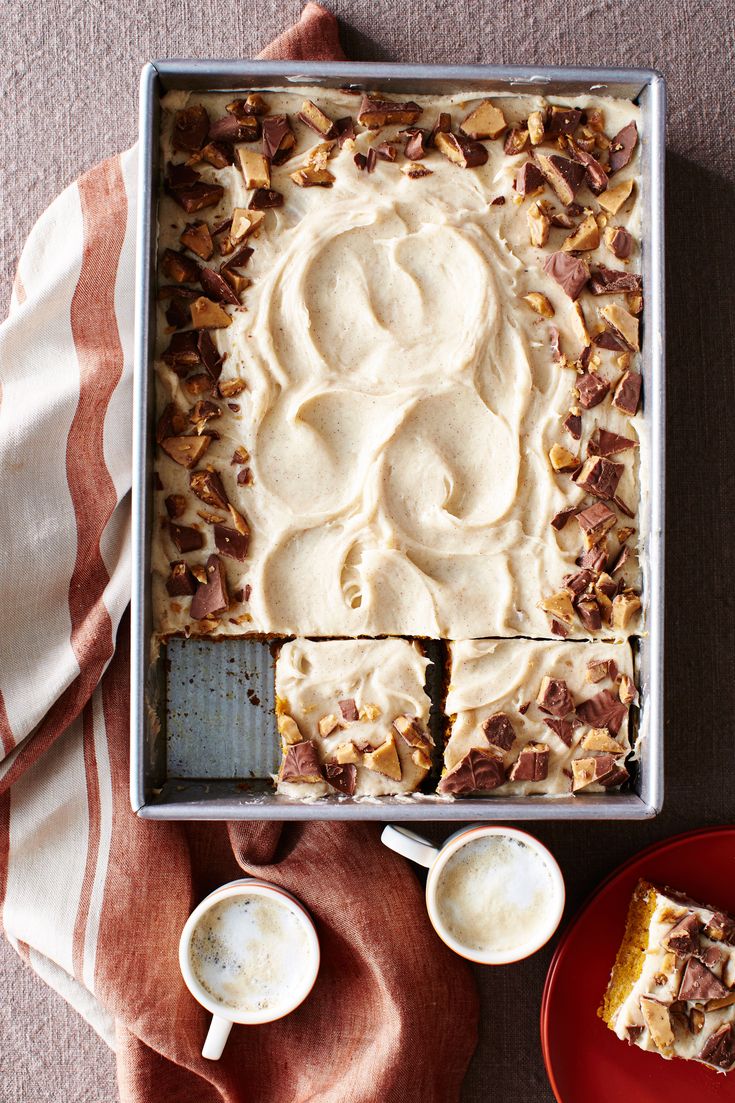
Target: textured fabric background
69, 85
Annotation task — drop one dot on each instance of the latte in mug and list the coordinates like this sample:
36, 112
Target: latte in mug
495, 895
251, 953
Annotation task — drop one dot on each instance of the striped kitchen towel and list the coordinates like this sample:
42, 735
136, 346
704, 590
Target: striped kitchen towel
93, 898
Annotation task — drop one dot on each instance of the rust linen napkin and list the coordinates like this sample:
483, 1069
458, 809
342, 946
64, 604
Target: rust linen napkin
93, 898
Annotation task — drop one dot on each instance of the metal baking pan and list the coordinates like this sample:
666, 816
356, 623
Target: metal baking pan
202, 725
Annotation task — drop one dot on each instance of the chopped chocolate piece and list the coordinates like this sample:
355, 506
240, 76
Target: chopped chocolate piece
486, 121
595, 521
345, 129
175, 506
595, 175
559, 520
616, 777
628, 393
573, 425
371, 159
184, 538
443, 125
348, 708
633, 1033
588, 612
301, 763
564, 176
181, 582
361, 161
253, 104
577, 583
177, 311
597, 669
197, 196
554, 697
479, 770
209, 356
607, 340
316, 120
571, 273
595, 557
196, 236
278, 138
563, 728
562, 120
532, 763
207, 486
217, 288
619, 241
180, 176
190, 128
238, 259
612, 281
498, 731
721, 928
700, 983
386, 152
178, 267
171, 423
719, 1049
211, 597
342, 776
591, 388
625, 555
600, 477
555, 343
231, 543
232, 129
529, 178
586, 771
683, 938
559, 629
203, 412
182, 353
516, 141
415, 147
498, 201
461, 151
609, 444
623, 324
622, 146
375, 113
217, 154
264, 199
604, 710
186, 451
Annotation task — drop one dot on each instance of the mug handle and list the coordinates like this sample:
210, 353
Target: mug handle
409, 845
217, 1035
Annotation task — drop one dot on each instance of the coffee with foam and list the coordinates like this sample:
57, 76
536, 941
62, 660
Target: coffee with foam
252, 953
495, 894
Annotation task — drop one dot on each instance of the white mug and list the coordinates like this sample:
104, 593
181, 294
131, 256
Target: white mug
223, 1016
435, 858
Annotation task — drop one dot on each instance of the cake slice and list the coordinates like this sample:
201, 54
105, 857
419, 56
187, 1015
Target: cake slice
353, 717
672, 988
532, 716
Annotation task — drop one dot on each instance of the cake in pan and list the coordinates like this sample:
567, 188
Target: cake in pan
672, 988
398, 366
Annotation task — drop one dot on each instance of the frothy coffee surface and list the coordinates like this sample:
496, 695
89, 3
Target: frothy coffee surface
494, 894
251, 953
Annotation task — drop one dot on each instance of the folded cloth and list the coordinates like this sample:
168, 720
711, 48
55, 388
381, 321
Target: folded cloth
92, 897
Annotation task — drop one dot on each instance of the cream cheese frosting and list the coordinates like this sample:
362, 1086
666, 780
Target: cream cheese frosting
321, 680
400, 398
673, 1032
491, 677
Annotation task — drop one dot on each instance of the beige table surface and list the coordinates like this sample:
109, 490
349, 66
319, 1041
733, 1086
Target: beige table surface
69, 85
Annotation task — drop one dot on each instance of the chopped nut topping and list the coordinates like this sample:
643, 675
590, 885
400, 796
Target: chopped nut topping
312, 178
208, 315
562, 459
254, 167
328, 724
486, 121
384, 760
539, 303
230, 388
585, 237
288, 729
414, 171
614, 198
315, 118
186, 451
538, 225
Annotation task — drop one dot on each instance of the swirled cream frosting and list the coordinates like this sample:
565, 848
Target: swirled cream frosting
391, 397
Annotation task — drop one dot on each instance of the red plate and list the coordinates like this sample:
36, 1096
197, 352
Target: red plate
584, 1059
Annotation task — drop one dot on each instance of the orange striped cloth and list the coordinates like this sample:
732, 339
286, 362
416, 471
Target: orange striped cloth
93, 898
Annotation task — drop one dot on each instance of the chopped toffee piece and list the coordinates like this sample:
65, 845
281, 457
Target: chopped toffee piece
186, 451
316, 120
196, 236
554, 697
461, 151
591, 389
628, 393
486, 121
211, 597
184, 538
207, 485
532, 763
301, 764
375, 113
612, 281
478, 771
278, 138
181, 582
341, 776
384, 759
190, 129
564, 176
